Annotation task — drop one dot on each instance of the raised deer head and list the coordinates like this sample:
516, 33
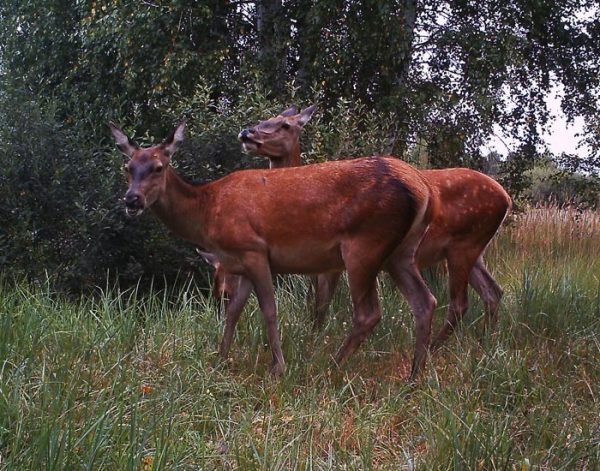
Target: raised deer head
277, 137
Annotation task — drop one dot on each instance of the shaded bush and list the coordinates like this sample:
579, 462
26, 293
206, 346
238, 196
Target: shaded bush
61, 208
62, 189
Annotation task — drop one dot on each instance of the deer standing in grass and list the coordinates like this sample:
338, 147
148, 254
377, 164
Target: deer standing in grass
354, 215
472, 206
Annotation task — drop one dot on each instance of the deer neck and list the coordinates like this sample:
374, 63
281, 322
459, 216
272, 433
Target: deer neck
291, 159
183, 208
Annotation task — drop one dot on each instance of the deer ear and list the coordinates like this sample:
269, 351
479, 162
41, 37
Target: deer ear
209, 258
289, 112
306, 114
124, 144
174, 140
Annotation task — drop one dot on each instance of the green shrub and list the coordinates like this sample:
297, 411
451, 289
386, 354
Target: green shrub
549, 184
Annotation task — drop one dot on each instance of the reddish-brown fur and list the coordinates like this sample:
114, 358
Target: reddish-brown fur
472, 207
351, 215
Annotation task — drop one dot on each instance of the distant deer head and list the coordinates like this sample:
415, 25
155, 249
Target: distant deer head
278, 136
222, 287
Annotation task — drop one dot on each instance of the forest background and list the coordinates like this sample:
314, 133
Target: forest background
427, 81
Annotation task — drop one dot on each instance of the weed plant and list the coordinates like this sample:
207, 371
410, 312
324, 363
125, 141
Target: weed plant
132, 382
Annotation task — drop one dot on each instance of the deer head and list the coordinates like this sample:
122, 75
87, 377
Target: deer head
276, 136
146, 168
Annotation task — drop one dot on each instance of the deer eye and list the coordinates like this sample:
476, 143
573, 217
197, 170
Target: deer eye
285, 126
158, 169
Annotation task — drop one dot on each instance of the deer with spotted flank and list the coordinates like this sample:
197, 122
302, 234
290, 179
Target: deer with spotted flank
472, 207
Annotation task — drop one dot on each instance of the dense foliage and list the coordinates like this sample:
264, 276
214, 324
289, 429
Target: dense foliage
424, 79
552, 184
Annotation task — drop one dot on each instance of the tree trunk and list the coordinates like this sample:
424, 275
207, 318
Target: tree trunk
273, 36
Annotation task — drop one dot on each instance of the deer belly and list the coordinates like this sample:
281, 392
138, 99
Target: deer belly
432, 250
311, 258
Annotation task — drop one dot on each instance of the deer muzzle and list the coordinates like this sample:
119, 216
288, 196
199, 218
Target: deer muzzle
134, 203
248, 140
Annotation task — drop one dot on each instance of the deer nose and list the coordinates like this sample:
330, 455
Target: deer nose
245, 133
133, 200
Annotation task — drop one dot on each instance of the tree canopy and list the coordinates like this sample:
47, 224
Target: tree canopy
448, 70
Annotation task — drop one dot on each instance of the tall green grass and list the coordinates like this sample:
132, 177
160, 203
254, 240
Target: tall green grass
131, 381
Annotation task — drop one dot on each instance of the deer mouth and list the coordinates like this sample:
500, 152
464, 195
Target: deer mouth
133, 211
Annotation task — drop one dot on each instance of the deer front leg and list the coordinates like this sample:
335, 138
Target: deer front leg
460, 262
367, 314
259, 272
233, 309
325, 285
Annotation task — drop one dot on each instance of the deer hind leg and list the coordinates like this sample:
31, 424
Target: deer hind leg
362, 278
409, 281
259, 272
460, 263
325, 285
233, 309
488, 289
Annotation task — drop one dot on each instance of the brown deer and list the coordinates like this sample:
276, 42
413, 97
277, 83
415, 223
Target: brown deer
353, 215
472, 206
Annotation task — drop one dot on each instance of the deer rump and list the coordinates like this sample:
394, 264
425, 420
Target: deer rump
301, 217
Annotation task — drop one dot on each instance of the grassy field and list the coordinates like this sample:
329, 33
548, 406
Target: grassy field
130, 382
